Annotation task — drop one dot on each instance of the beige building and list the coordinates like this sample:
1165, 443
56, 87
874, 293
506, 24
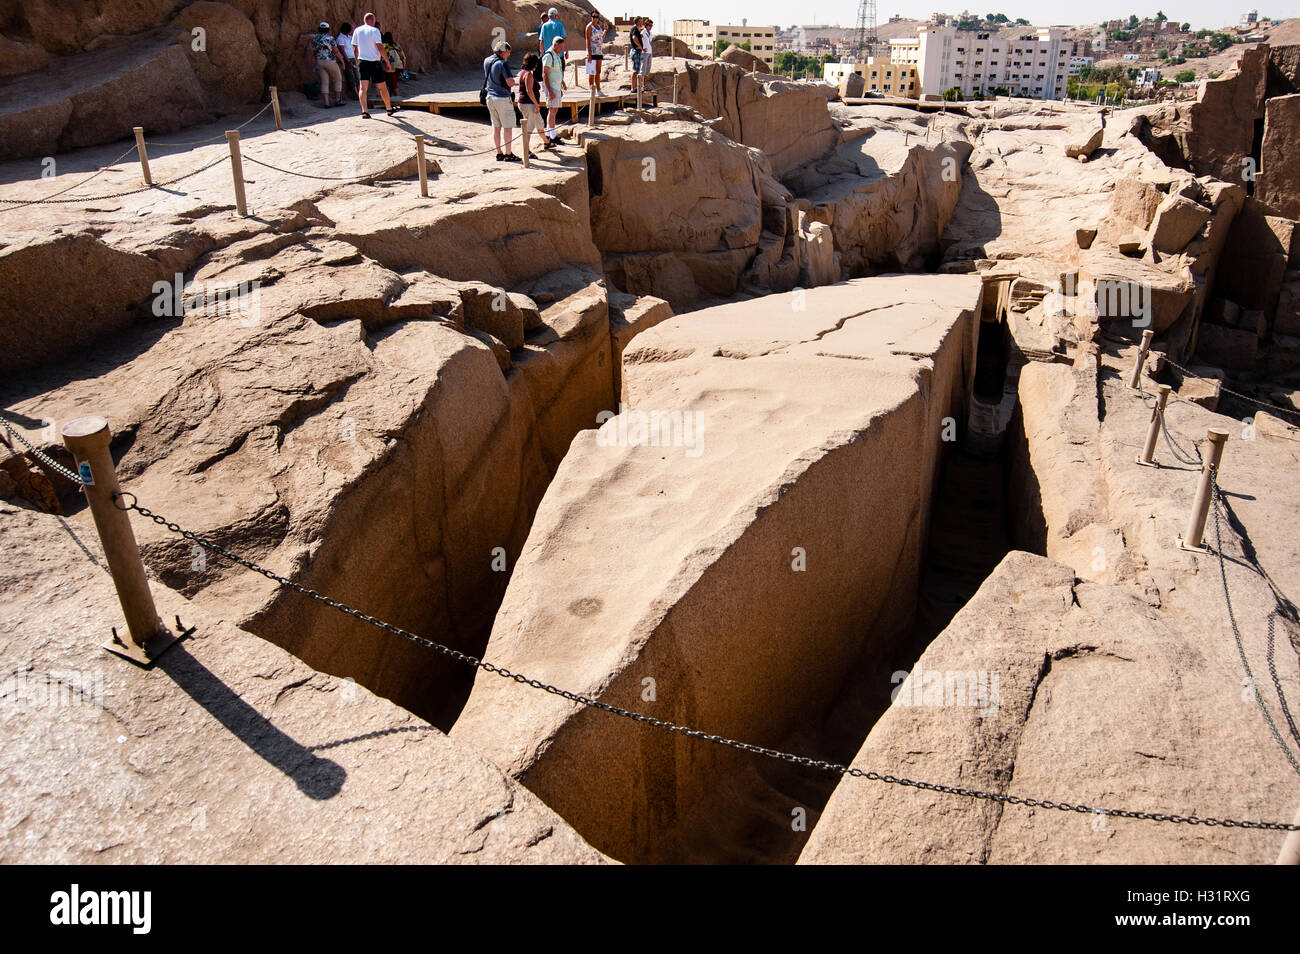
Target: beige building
701, 36
884, 76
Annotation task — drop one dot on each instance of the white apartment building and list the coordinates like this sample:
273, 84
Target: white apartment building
1077, 63
701, 36
1030, 64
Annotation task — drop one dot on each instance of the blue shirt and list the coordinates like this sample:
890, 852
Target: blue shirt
549, 31
497, 73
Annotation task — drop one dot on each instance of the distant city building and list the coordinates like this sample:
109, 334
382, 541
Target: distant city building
1250, 18
1028, 64
701, 37
883, 76
1077, 63
1148, 77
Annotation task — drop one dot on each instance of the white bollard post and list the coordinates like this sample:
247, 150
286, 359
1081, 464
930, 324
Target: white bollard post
1153, 432
1191, 540
1135, 379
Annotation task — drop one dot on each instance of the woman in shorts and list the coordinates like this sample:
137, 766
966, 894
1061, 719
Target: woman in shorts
528, 91
595, 51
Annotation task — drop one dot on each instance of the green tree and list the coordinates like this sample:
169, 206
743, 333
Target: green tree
1185, 28
1133, 21
1220, 42
1021, 21
1186, 76
1160, 16
952, 94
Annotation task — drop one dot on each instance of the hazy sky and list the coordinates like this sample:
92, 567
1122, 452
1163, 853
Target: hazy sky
1200, 13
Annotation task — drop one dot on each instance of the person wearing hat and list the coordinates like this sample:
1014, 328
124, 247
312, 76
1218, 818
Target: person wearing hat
329, 65
550, 29
498, 80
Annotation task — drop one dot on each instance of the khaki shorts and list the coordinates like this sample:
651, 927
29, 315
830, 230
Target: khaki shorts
330, 75
532, 118
502, 110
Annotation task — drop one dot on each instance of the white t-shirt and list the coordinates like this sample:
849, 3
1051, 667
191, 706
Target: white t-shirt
368, 41
345, 44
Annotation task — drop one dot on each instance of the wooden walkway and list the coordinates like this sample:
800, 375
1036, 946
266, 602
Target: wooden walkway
574, 99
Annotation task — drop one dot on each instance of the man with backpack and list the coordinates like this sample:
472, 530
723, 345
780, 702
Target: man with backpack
497, 80
551, 28
553, 75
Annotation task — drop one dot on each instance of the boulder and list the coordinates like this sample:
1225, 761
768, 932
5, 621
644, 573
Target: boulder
744, 59
1232, 348
1087, 141
788, 121
852, 85
1127, 289
678, 188
628, 317
713, 604
1278, 183
1254, 262
471, 31
1287, 318
1177, 221
670, 46
229, 63
1134, 202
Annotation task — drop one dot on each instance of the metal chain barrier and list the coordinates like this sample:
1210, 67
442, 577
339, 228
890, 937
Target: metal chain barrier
833, 768
1219, 504
114, 195
1180, 454
41, 456
76, 185
1277, 683
1236, 394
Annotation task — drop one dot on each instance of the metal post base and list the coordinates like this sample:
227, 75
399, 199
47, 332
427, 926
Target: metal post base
1200, 549
145, 656
1146, 463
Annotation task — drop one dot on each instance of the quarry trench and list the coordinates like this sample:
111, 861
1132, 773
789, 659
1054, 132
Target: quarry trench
399, 563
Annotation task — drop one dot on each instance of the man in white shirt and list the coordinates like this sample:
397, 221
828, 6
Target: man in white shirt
373, 61
344, 40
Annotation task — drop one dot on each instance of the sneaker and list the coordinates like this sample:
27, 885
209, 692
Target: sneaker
501, 157
511, 157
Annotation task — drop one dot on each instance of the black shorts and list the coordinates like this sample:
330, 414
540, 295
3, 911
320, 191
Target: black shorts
373, 70
597, 56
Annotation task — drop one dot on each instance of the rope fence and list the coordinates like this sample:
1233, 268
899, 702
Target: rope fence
114, 504
56, 198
